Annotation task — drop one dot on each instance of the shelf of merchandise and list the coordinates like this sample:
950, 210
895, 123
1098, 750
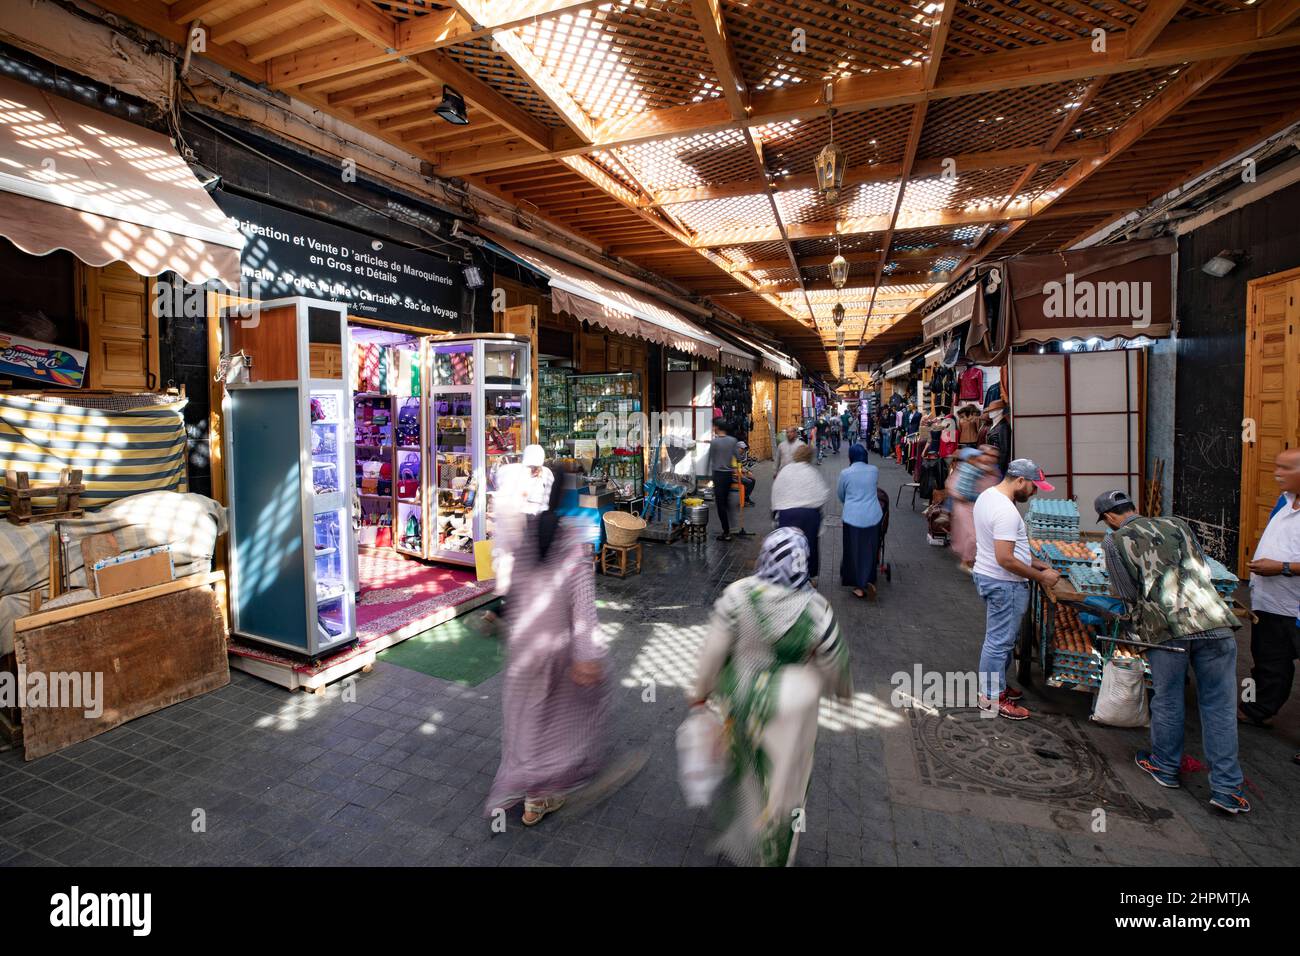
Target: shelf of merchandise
373, 423
478, 423
553, 406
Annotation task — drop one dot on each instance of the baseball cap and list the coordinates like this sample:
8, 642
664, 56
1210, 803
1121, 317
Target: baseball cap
534, 456
1111, 500
1025, 468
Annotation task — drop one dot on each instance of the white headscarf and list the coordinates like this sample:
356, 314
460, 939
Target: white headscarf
798, 485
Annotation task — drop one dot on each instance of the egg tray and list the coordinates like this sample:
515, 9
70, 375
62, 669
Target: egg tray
1088, 579
1057, 508
1051, 551
1051, 531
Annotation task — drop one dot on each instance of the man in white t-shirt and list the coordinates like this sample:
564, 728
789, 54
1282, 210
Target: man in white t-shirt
1003, 569
1275, 598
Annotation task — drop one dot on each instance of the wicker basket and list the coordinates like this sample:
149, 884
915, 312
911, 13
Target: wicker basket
622, 529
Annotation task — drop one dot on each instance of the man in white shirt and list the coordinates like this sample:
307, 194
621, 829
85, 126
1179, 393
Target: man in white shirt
786, 449
1275, 598
1004, 566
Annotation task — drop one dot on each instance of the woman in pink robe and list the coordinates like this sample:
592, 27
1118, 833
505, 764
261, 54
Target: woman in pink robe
556, 690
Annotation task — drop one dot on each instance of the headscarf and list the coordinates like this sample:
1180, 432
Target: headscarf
857, 453
783, 559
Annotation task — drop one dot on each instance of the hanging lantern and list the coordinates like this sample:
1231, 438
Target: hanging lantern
829, 165
837, 314
839, 271
839, 337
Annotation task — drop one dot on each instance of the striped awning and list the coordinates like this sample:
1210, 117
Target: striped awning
106, 190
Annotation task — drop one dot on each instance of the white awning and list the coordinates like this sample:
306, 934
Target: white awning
733, 357
619, 308
777, 363
106, 190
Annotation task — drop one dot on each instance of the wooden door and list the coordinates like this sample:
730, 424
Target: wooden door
521, 320
1272, 399
123, 329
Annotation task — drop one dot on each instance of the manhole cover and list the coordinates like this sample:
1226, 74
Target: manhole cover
1044, 759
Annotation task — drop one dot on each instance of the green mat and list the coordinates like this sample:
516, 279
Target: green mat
456, 651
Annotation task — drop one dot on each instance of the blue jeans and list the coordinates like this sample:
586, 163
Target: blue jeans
1005, 605
1214, 661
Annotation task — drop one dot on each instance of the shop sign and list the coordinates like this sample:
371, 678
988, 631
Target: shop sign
287, 254
42, 361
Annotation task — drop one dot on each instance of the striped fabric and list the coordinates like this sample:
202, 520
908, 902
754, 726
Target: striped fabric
121, 451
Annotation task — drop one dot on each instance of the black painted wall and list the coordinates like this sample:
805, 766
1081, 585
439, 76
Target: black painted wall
1211, 359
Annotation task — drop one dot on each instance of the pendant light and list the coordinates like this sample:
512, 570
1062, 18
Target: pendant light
829, 163
839, 269
837, 314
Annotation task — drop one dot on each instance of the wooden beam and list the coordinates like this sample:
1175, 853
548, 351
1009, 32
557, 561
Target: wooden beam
909, 160
938, 39
1155, 17
1276, 15
888, 172
512, 47
364, 19
252, 20
1185, 86
283, 43
1206, 38
387, 87
708, 13
442, 68
186, 11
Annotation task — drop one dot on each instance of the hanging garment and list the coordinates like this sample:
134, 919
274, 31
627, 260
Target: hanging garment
972, 384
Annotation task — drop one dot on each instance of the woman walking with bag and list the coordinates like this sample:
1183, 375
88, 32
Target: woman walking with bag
773, 651
798, 496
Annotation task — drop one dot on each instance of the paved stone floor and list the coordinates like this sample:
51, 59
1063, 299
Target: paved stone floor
398, 776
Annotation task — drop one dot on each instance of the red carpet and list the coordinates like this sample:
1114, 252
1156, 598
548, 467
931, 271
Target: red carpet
396, 592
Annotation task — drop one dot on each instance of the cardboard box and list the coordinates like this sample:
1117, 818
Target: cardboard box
132, 571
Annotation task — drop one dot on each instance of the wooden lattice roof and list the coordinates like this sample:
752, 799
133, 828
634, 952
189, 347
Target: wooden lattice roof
681, 134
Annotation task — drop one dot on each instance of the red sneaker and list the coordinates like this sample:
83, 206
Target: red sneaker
1005, 708
1013, 693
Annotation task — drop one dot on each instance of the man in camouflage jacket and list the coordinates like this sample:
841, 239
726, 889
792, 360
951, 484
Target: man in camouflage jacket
1156, 566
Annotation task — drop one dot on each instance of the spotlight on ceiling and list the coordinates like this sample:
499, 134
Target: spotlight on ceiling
473, 277
452, 107
1220, 265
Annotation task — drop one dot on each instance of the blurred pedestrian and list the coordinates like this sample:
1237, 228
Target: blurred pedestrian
861, 519
773, 651
836, 428
972, 476
786, 449
556, 689
798, 496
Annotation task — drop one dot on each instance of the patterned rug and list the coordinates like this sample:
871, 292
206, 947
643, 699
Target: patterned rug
396, 592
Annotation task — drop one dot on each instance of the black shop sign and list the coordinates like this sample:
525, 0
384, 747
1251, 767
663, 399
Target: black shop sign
286, 254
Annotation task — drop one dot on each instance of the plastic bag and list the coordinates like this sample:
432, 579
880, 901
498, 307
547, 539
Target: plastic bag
1122, 700
700, 761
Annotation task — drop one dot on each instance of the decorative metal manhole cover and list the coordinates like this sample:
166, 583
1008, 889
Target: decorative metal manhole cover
1045, 759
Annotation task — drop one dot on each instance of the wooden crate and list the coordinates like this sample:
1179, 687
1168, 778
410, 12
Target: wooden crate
154, 647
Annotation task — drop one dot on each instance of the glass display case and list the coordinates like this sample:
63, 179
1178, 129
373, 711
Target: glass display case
289, 460
553, 404
477, 423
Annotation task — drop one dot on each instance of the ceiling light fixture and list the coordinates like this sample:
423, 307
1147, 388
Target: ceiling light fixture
1220, 265
452, 107
837, 314
829, 163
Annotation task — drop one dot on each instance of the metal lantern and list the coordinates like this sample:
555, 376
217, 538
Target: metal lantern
830, 166
837, 314
839, 337
830, 171
839, 271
